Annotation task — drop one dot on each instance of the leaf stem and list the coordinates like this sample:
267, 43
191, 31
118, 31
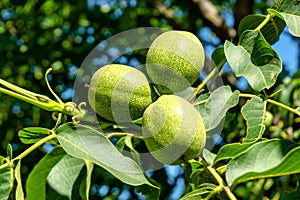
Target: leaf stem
201, 85
35, 146
284, 106
120, 134
200, 102
263, 23
30, 149
273, 102
217, 190
221, 186
246, 95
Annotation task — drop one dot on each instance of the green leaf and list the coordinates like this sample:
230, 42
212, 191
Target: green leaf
121, 144
254, 112
86, 143
233, 150
64, 174
293, 194
264, 159
149, 192
271, 31
219, 102
138, 121
200, 193
37, 179
289, 11
292, 21
208, 156
218, 56
254, 59
5, 182
200, 176
190, 167
86, 183
2, 160
31, 135
135, 155
19, 188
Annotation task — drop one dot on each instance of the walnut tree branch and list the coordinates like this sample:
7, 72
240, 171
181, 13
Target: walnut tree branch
211, 17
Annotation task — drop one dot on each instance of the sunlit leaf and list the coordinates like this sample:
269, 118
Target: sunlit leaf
271, 31
64, 174
86, 143
229, 151
86, 183
5, 182
19, 188
36, 182
254, 59
280, 157
254, 114
292, 21
134, 153
199, 193
31, 135
289, 11
208, 156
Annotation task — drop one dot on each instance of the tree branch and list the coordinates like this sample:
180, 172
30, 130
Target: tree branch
211, 17
242, 8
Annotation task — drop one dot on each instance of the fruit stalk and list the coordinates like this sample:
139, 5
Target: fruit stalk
38, 100
30, 149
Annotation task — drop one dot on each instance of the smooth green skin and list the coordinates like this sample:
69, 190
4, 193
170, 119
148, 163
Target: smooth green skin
119, 93
174, 61
173, 129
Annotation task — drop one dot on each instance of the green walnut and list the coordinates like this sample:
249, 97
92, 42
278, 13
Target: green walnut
174, 61
119, 93
269, 118
173, 130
